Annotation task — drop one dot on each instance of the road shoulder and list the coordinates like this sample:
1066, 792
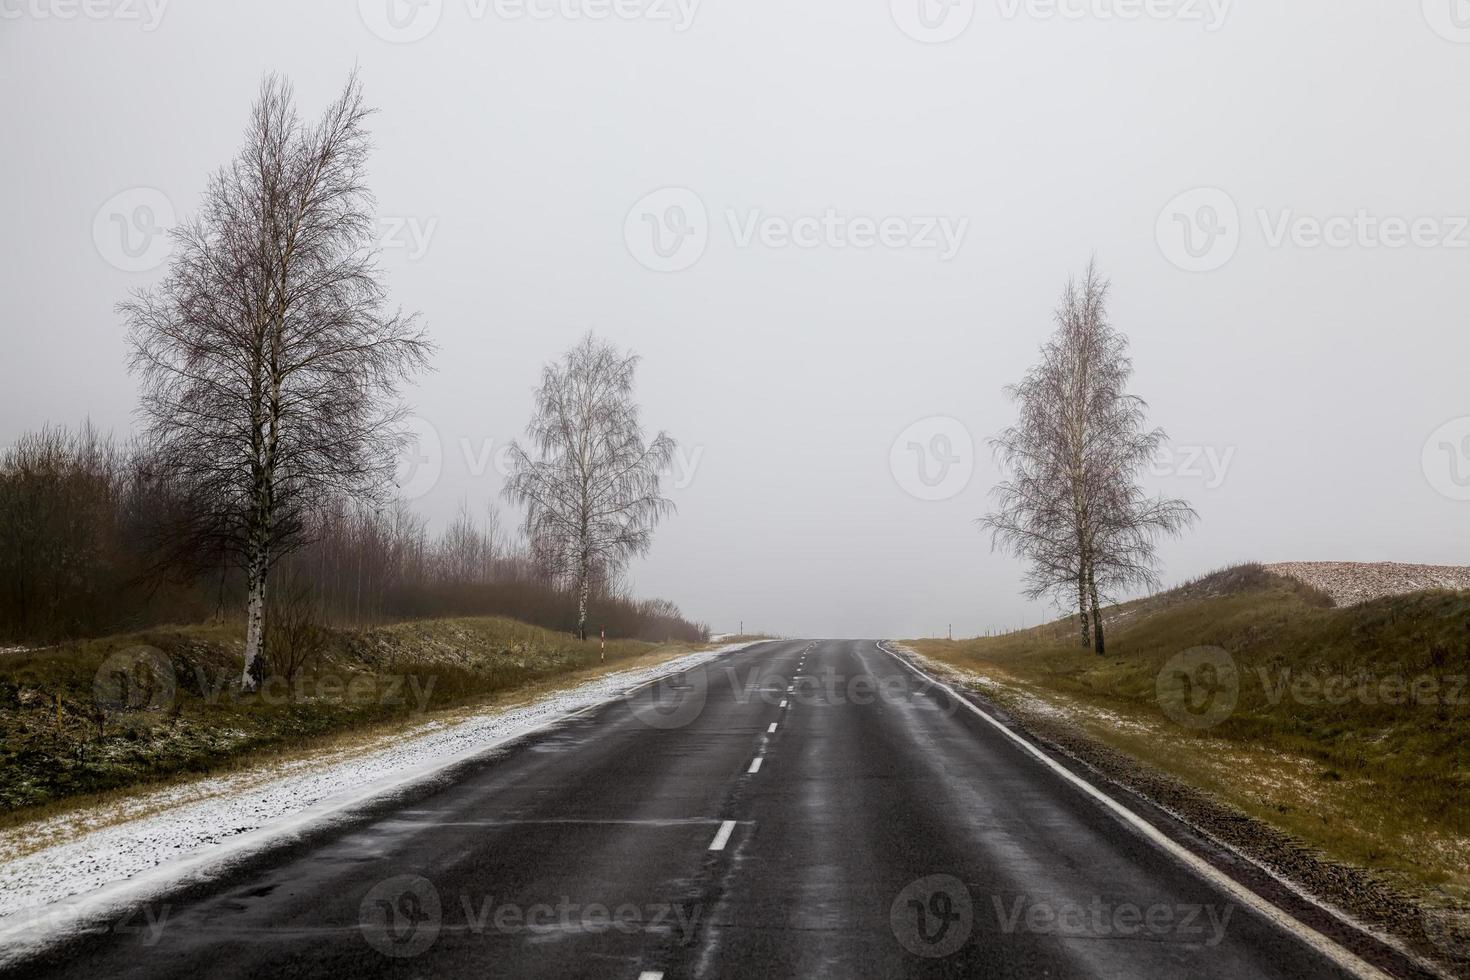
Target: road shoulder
1344, 903
180, 833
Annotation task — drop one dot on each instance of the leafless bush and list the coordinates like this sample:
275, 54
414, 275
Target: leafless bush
297, 637
79, 520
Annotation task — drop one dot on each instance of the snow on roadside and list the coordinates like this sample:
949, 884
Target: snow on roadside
238, 813
1057, 706
968, 678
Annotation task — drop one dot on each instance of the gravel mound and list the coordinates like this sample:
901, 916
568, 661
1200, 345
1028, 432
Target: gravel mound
1349, 583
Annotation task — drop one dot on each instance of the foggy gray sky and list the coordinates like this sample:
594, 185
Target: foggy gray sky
1308, 375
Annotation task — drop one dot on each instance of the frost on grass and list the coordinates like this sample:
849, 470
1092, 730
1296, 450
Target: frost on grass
83, 852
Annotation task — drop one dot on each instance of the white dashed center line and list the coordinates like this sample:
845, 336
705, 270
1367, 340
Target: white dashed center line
755, 765
651, 975
772, 728
783, 702
723, 837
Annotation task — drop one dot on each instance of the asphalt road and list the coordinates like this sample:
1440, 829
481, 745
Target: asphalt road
795, 810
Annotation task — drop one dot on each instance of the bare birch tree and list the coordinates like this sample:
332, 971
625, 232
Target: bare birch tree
589, 481
1071, 505
270, 367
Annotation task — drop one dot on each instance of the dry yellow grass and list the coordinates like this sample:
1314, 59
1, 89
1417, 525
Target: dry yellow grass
1383, 786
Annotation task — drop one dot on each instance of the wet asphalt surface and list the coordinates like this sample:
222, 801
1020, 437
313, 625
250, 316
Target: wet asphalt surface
884, 832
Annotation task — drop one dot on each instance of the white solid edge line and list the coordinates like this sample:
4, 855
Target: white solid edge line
1329, 948
722, 836
17, 930
755, 765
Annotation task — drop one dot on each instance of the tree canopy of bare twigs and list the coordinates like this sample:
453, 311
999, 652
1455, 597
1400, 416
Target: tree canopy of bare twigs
1071, 505
588, 481
270, 366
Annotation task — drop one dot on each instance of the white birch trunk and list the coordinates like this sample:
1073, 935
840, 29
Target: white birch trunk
583, 588
254, 632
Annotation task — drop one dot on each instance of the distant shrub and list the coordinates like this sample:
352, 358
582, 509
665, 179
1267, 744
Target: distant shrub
86, 550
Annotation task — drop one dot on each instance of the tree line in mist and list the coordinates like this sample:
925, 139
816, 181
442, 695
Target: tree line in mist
86, 549
271, 369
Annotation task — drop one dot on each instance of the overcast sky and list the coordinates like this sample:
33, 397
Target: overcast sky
834, 230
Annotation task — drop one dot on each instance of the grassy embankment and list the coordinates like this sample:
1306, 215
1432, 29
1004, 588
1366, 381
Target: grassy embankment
1351, 731
174, 723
